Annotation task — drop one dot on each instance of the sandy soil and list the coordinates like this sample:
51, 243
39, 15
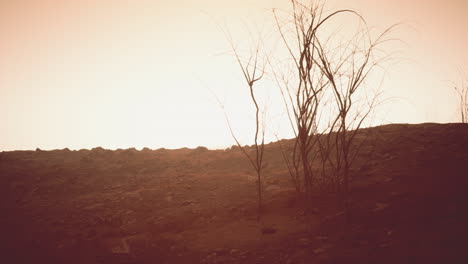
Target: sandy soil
199, 206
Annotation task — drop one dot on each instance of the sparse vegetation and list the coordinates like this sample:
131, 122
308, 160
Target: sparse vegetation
58, 208
338, 191
326, 95
253, 70
461, 89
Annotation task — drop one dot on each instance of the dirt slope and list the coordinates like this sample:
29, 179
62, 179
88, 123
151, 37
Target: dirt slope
198, 206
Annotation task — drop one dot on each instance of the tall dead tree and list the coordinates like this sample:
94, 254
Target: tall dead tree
323, 89
347, 67
252, 70
322, 99
304, 96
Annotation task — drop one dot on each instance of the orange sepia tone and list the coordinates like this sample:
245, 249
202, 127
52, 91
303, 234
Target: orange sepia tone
69, 66
284, 131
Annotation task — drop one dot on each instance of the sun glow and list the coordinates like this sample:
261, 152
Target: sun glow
81, 74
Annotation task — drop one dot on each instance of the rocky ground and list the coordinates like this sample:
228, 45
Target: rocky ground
199, 206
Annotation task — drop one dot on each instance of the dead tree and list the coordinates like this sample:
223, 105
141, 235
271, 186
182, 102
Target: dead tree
323, 92
462, 91
253, 70
303, 96
324, 98
347, 67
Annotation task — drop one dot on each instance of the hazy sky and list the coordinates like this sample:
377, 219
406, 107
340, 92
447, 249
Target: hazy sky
119, 74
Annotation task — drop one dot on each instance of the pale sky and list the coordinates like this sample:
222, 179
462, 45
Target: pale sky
142, 73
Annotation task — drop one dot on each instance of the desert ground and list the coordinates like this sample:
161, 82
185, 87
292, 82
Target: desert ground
409, 204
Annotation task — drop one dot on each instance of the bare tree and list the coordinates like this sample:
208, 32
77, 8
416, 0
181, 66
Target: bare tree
324, 93
462, 92
327, 104
347, 67
303, 97
253, 70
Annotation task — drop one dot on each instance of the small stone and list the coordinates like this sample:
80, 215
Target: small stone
220, 252
380, 206
318, 251
184, 203
269, 230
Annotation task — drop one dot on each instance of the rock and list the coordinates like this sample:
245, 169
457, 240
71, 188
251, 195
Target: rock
121, 249
220, 252
188, 202
314, 210
304, 242
234, 251
200, 149
380, 206
318, 251
269, 230
98, 149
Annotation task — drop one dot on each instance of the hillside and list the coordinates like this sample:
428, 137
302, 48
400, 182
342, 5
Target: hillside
199, 206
